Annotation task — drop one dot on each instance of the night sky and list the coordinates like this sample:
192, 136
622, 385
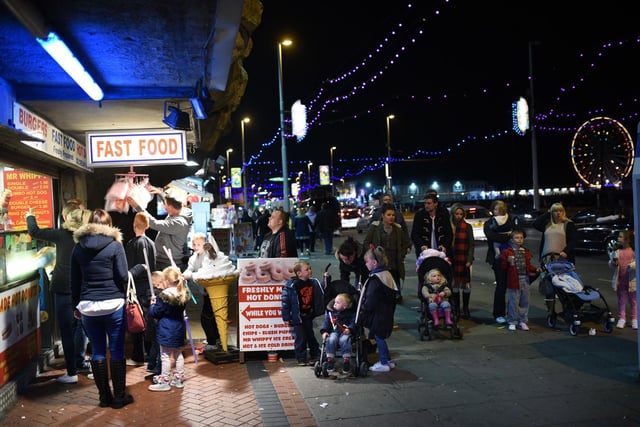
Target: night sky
449, 74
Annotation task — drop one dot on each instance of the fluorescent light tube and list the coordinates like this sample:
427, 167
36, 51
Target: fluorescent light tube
69, 63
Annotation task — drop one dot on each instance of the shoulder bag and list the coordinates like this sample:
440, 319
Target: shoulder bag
135, 318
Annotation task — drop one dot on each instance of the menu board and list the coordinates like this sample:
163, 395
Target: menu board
260, 326
29, 190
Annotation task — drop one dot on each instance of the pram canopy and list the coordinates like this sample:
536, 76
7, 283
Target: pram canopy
430, 259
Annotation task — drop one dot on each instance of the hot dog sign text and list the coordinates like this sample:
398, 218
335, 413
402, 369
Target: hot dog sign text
260, 304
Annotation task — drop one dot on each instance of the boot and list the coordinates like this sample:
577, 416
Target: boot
101, 378
436, 318
465, 305
119, 380
447, 318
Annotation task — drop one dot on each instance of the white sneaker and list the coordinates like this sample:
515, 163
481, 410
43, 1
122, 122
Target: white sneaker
634, 324
523, 326
501, 320
512, 327
620, 324
379, 367
67, 379
392, 364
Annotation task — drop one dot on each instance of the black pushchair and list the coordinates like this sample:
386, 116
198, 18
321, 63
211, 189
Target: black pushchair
359, 343
426, 327
580, 303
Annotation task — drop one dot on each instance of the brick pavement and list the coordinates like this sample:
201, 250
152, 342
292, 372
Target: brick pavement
214, 394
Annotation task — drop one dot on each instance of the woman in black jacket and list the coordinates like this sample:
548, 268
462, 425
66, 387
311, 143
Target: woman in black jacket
377, 305
99, 280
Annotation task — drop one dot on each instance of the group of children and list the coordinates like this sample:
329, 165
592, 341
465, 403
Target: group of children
516, 262
166, 324
303, 299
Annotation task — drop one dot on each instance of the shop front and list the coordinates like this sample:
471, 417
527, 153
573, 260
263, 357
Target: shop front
40, 168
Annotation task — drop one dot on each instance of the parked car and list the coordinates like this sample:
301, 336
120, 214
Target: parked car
350, 217
476, 216
601, 234
525, 217
365, 219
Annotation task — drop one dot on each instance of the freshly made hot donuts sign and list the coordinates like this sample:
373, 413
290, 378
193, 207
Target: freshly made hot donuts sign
260, 304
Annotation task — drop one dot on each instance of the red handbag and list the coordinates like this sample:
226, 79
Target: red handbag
133, 311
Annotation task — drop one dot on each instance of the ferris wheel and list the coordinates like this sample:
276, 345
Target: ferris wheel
602, 152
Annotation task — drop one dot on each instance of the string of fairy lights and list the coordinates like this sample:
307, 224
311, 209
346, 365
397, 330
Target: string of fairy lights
407, 34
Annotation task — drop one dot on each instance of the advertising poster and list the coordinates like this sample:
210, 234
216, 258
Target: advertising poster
29, 190
260, 304
19, 323
236, 177
324, 175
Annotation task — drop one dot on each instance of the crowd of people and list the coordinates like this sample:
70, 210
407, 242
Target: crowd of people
94, 264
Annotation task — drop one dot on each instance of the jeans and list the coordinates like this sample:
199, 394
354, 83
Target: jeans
64, 315
80, 341
383, 350
336, 339
327, 236
518, 310
304, 336
113, 326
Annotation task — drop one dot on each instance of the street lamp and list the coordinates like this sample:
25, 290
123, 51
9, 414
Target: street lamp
309, 173
244, 164
389, 117
229, 150
331, 166
283, 148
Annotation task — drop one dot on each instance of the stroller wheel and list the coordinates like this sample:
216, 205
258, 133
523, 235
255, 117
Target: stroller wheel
551, 321
317, 369
574, 329
608, 326
324, 370
364, 369
458, 332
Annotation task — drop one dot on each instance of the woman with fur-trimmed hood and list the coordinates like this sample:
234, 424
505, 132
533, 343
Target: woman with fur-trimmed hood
99, 280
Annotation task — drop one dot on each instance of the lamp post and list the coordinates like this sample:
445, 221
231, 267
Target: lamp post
244, 164
532, 125
283, 148
331, 167
389, 117
228, 180
309, 173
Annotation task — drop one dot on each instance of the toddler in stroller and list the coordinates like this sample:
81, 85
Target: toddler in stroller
434, 275
339, 331
579, 302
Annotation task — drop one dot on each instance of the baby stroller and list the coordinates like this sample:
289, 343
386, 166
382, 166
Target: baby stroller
359, 343
580, 303
430, 259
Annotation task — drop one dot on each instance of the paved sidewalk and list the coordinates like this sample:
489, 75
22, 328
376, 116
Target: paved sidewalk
491, 377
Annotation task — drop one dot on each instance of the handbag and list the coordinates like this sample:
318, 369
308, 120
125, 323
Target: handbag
135, 318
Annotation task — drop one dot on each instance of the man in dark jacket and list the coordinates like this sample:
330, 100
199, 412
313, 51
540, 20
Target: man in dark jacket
432, 227
280, 242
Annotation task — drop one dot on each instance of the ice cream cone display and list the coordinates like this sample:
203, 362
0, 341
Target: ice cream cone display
220, 277
218, 291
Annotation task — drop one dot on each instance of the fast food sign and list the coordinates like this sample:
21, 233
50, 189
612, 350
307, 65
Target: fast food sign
147, 147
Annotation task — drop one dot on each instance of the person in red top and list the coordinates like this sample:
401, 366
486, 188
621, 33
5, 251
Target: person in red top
461, 260
516, 261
